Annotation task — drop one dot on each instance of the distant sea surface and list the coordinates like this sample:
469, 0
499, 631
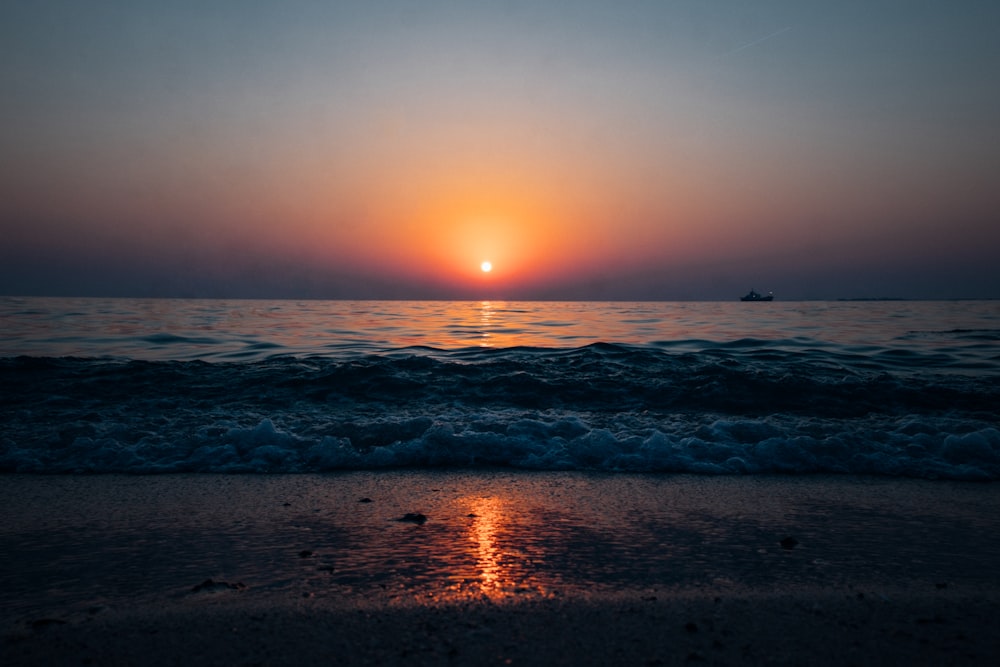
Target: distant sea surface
907, 388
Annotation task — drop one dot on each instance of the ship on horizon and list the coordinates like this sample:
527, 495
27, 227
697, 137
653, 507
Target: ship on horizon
756, 296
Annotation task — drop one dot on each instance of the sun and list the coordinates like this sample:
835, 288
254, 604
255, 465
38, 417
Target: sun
486, 267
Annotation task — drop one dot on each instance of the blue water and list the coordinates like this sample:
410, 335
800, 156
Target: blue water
905, 388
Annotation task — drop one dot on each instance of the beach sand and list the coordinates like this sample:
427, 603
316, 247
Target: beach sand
497, 567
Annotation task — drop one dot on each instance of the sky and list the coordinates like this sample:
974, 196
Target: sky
588, 150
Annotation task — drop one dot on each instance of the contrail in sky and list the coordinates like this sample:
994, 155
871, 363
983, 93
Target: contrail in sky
755, 42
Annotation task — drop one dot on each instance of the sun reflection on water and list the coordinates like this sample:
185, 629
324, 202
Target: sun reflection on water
485, 320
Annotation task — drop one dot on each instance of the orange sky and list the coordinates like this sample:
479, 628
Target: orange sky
640, 151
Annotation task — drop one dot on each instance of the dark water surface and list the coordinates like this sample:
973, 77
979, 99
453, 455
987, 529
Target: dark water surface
896, 388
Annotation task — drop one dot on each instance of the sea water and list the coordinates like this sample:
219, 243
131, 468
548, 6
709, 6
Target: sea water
907, 388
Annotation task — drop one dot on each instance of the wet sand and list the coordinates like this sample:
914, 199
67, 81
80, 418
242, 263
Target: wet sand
497, 568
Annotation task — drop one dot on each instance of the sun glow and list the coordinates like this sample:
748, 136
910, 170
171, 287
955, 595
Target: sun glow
473, 243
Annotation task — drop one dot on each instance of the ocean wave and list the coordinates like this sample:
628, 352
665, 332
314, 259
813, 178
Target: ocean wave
748, 407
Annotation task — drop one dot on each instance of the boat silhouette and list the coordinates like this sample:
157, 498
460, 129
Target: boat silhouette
756, 296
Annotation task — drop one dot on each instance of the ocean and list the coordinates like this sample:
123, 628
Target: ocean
899, 388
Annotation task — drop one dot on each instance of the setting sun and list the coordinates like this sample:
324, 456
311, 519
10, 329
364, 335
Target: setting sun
486, 267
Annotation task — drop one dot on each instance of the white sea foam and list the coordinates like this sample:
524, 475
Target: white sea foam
875, 445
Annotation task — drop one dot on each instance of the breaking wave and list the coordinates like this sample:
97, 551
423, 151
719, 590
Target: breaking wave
749, 406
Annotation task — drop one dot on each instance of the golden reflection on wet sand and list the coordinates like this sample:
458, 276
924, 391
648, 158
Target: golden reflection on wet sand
496, 536
487, 515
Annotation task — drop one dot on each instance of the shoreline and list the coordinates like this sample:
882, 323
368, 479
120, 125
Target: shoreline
535, 568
